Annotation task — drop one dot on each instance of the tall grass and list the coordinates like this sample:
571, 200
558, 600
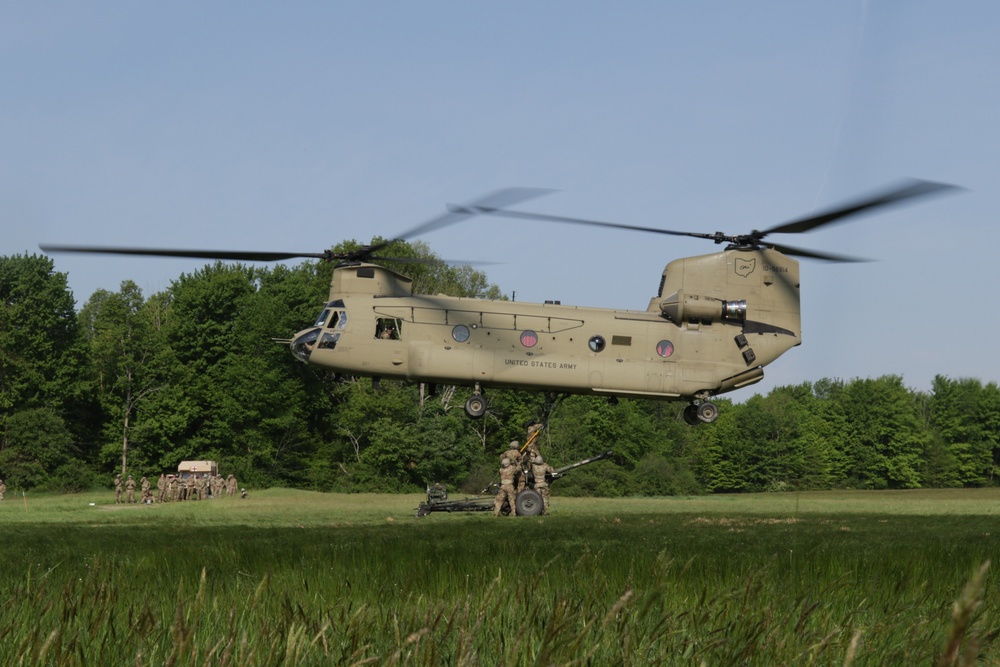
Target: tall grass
243, 584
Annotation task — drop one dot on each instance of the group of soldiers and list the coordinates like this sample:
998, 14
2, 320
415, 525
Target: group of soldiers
515, 465
170, 488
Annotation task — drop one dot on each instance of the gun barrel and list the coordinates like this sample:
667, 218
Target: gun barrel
600, 457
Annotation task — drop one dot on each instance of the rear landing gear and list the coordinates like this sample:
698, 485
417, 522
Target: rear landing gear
704, 412
475, 407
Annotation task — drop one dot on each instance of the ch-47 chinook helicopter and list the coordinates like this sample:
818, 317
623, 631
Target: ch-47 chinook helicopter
716, 321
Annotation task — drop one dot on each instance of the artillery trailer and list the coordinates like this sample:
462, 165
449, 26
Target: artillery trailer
528, 501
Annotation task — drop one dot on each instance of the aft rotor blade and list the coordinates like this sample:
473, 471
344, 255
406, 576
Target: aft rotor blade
524, 215
239, 255
497, 199
910, 189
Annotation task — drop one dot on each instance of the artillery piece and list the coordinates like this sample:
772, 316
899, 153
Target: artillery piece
528, 501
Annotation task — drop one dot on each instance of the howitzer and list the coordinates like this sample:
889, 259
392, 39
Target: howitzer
528, 501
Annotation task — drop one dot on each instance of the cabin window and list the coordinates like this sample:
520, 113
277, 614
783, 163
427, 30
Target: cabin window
529, 338
460, 333
339, 320
597, 343
664, 348
387, 328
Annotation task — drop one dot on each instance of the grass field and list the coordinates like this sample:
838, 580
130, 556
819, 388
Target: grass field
298, 578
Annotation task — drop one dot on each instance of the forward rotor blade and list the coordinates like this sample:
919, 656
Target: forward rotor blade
244, 255
815, 254
909, 189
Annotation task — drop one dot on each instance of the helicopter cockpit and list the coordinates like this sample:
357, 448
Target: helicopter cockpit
323, 334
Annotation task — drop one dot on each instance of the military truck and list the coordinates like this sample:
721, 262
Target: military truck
527, 503
196, 469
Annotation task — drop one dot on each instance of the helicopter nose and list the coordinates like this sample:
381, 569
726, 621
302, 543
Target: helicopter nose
303, 343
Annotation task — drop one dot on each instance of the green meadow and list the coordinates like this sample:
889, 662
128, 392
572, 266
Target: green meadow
299, 578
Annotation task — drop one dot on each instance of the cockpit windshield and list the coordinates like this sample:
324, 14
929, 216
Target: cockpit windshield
334, 316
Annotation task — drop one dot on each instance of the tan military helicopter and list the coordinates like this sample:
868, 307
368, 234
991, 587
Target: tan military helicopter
713, 325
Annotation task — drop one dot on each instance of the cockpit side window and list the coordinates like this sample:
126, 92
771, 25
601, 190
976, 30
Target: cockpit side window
387, 328
321, 320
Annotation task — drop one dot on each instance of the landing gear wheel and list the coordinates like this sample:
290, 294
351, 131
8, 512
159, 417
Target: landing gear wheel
529, 503
708, 412
691, 415
475, 407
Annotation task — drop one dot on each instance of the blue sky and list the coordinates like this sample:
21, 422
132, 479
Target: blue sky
294, 126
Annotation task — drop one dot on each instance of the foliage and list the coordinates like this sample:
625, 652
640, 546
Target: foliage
143, 382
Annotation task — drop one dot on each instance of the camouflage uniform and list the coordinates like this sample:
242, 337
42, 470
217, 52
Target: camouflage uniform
540, 469
130, 490
231, 485
174, 488
3, 489
507, 472
144, 485
161, 488
118, 489
513, 454
533, 429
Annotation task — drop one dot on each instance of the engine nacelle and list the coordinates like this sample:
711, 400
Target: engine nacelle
680, 307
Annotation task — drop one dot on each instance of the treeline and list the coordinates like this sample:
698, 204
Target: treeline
140, 383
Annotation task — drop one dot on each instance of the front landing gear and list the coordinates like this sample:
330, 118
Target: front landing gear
703, 412
475, 407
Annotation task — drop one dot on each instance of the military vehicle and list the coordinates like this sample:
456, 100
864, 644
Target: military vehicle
712, 326
527, 503
187, 469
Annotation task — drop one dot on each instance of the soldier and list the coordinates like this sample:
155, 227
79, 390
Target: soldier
507, 472
144, 485
513, 453
534, 428
3, 489
231, 485
540, 469
244, 494
130, 490
161, 488
118, 489
203, 488
173, 488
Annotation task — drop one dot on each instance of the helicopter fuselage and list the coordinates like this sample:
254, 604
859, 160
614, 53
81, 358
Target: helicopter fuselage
716, 322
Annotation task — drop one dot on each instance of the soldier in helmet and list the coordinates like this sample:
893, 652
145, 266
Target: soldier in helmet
540, 470
118, 489
145, 486
534, 433
513, 454
130, 490
507, 492
3, 489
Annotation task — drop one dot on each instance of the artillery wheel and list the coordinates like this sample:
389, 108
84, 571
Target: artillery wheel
475, 407
529, 503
